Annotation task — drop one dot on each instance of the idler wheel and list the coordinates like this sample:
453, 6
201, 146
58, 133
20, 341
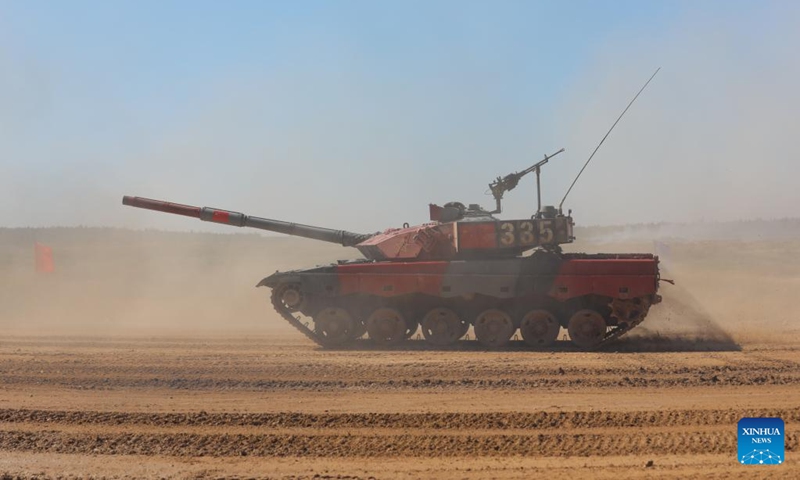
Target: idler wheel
334, 326
291, 297
586, 328
539, 328
441, 326
386, 326
494, 328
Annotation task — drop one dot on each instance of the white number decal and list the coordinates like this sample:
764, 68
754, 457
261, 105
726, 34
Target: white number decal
526, 233
507, 238
545, 232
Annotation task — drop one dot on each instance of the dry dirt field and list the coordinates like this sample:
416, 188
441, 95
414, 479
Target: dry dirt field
152, 355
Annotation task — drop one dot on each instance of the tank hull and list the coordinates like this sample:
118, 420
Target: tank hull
596, 297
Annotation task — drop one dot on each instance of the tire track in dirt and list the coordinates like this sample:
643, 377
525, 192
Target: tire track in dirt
346, 445
490, 411
434, 421
576, 433
701, 377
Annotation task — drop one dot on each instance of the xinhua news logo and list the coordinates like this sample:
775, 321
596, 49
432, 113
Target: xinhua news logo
761, 441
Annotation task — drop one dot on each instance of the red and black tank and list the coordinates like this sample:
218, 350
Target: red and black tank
595, 297
465, 269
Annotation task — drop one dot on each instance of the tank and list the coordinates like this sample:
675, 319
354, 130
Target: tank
465, 268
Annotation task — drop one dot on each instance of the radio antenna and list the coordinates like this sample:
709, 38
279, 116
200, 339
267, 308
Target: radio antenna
604, 138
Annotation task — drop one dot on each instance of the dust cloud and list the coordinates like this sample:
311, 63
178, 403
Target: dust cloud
126, 282
110, 281
728, 292
716, 122
681, 323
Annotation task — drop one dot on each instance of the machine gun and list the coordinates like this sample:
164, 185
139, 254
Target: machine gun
504, 184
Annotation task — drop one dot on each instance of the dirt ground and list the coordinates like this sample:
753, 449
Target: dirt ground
176, 367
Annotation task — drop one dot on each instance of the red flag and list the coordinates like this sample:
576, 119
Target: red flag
44, 259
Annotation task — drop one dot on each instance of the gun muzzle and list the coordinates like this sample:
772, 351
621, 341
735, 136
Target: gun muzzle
160, 206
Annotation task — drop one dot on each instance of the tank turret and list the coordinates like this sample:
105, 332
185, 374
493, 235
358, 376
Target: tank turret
455, 232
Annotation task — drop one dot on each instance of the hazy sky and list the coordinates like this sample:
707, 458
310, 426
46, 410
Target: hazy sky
358, 114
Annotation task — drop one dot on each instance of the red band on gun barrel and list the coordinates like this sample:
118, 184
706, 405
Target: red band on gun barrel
220, 216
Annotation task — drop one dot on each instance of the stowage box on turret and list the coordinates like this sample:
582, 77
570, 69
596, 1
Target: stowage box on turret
464, 268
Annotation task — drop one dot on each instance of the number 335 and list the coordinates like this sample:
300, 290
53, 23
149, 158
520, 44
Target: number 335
522, 233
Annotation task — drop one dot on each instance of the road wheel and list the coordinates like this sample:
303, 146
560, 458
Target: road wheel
387, 326
494, 328
539, 328
441, 326
586, 328
334, 326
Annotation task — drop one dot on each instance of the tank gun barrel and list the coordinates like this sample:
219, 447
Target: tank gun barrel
236, 219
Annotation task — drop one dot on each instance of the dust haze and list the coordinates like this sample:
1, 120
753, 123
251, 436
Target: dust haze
710, 140
126, 282
109, 281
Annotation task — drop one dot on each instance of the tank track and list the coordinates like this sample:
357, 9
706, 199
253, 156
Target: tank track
614, 334
627, 322
628, 317
289, 317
